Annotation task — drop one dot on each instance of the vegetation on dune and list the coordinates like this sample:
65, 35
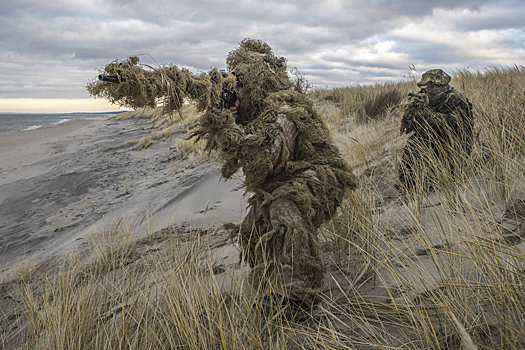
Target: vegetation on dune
166, 126
419, 270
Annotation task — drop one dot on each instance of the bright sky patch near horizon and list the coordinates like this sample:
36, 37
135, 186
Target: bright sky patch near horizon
56, 105
50, 49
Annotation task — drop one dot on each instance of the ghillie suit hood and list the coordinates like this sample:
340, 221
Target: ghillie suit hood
259, 73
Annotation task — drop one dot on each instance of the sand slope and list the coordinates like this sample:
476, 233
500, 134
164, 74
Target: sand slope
59, 184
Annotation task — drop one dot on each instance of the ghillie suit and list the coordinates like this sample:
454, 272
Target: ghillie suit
293, 171
442, 124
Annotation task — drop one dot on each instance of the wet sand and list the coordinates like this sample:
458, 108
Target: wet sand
59, 184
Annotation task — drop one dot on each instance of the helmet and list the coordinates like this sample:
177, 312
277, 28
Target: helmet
436, 76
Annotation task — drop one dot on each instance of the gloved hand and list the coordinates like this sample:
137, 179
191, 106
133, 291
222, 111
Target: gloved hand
414, 109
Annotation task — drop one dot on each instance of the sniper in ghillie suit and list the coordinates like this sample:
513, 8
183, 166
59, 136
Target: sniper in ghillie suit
260, 121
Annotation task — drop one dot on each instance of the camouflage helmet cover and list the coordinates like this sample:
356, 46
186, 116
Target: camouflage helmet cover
436, 76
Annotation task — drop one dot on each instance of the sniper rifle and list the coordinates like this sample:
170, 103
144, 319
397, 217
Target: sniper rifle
227, 97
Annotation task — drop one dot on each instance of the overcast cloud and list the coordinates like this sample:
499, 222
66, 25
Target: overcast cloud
49, 49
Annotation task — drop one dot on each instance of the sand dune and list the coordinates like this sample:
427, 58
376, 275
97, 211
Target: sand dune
61, 183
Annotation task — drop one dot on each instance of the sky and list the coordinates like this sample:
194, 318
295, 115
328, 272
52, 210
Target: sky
49, 50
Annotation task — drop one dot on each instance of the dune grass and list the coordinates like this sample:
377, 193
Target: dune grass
165, 126
417, 270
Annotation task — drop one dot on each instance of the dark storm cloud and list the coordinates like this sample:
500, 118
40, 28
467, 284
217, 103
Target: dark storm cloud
50, 48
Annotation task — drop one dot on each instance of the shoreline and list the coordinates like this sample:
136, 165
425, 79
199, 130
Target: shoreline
20, 149
13, 122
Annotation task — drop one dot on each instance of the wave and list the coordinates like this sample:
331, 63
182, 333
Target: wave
32, 127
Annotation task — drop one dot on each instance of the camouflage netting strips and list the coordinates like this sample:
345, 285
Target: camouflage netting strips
144, 86
265, 91
258, 70
314, 150
259, 73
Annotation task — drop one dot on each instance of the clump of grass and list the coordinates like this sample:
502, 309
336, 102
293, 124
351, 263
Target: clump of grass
129, 143
187, 148
352, 99
157, 134
376, 106
170, 130
145, 141
159, 292
165, 126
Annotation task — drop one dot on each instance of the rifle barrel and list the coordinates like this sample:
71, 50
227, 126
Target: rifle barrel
109, 78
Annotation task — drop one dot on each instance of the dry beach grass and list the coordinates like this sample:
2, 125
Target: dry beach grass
419, 270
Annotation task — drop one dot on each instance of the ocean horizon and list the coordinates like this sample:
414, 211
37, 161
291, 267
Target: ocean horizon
33, 121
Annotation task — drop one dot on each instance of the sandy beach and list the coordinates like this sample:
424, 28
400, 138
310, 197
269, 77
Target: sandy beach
59, 184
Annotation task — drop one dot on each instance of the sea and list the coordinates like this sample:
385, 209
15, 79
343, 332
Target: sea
33, 121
